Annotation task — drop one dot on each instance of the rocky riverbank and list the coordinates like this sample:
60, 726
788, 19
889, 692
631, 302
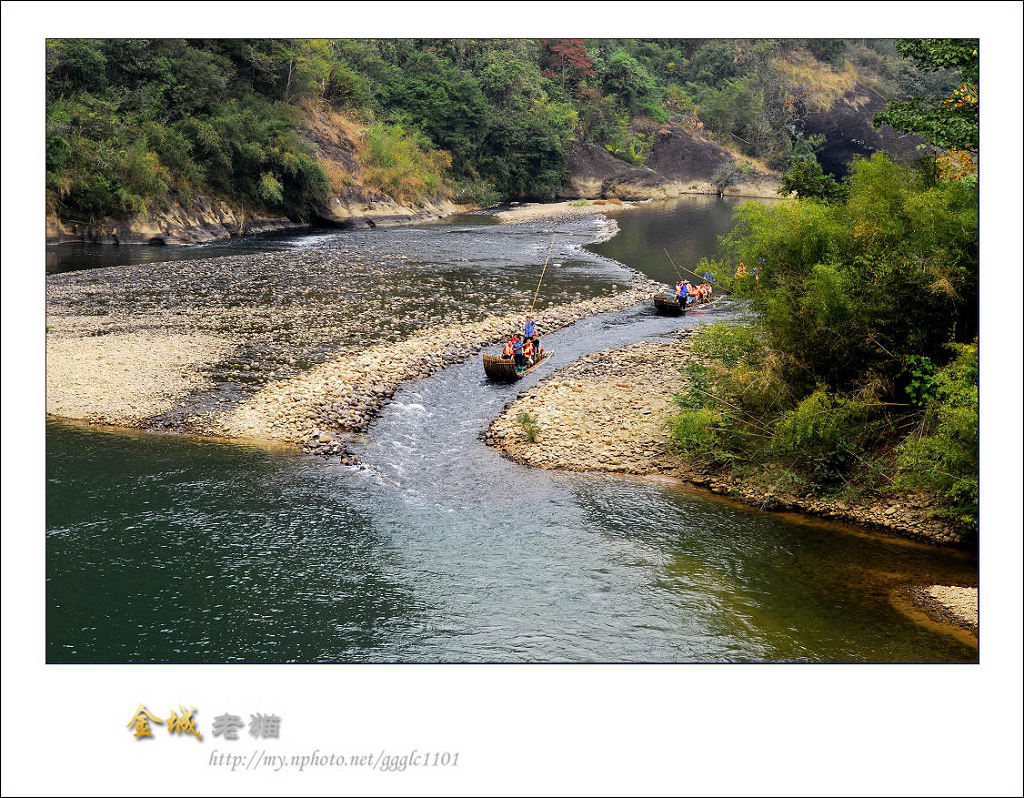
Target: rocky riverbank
304, 346
204, 221
949, 604
321, 408
681, 162
559, 210
606, 412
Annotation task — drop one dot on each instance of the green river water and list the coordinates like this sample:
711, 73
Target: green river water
169, 549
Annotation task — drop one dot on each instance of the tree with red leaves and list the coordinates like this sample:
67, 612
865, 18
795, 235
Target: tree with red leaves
568, 57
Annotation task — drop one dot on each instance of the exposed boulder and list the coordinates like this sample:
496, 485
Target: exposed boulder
589, 167
639, 183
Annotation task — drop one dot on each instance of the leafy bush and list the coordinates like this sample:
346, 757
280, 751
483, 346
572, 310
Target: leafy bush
397, 163
693, 431
528, 424
725, 175
808, 180
474, 192
629, 145
819, 386
942, 454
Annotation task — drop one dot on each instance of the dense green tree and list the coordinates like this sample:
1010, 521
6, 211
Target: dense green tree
133, 123
446, 104
852, 297
633, 86
808, 180
950, 121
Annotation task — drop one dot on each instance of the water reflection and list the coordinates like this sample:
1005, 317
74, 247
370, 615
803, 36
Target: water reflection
688, 227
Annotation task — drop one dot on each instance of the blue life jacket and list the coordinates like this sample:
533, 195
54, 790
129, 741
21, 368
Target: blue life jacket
528, 329
517, 347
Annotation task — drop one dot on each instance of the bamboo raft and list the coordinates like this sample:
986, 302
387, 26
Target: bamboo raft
503, 369
664, 305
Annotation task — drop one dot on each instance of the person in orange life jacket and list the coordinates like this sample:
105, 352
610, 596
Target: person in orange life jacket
508, 351
528, 351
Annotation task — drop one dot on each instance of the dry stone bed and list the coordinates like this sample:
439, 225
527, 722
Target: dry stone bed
323, 406
412, 299
603, 413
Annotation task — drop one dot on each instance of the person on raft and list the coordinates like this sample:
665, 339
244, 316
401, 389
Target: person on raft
528, 353
509, 350
517, 353
682, 292
530, 333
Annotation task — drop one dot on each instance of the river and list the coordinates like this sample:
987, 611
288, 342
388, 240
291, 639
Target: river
169, 549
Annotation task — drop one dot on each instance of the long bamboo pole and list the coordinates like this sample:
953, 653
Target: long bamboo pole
537, 292
699, 277
679, 273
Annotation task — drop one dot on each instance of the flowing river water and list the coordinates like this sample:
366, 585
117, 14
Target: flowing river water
162, 548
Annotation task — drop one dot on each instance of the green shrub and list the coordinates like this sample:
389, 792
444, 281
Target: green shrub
725, 175
942, 455
694, 431
528, 424
474, 192
397, 163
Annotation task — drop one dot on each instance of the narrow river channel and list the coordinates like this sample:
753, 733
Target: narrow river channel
169, 549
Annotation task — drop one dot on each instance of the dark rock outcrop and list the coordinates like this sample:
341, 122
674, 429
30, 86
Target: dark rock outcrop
680, 163
848, 132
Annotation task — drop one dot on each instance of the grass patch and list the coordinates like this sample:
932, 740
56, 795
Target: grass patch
528, 424
822, 86
397, 162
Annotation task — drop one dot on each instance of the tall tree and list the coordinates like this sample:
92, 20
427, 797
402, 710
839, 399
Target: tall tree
948, 122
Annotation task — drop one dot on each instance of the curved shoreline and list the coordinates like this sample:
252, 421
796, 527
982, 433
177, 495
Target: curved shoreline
102, 371
605, 413
954, 605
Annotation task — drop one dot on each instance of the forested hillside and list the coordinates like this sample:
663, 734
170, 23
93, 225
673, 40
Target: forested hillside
282, 126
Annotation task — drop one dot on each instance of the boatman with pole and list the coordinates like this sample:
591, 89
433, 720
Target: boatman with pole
530, 332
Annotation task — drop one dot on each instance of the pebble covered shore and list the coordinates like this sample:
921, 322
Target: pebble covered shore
323, 406
304, 345
558, 210
606, 413
951, 604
